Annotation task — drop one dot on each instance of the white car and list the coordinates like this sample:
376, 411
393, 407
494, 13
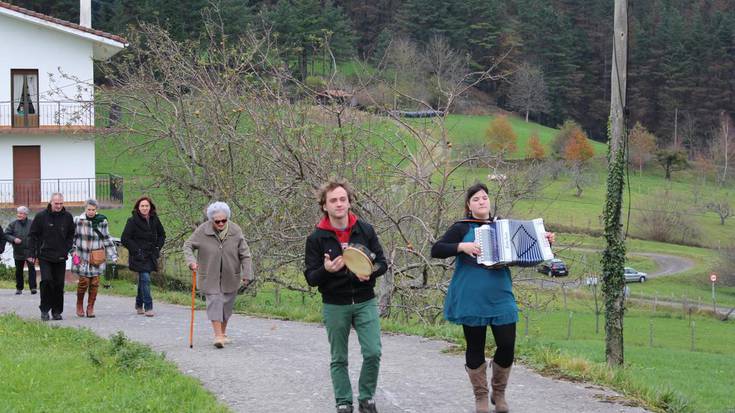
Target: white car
633, 275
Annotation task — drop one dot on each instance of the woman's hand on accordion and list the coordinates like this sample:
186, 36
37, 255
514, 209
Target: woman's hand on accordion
470, 248
551, 237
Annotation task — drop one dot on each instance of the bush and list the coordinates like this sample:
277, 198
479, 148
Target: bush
668, 220
6, 273
315, 83
725, 267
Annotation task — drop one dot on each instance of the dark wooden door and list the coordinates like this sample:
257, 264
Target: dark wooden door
27, 175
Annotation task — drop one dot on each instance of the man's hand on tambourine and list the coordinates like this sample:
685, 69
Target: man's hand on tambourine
333, 265
363, 278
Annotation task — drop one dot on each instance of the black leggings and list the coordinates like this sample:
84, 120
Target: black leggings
505, 342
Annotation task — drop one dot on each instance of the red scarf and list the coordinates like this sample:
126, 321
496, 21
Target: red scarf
343, 235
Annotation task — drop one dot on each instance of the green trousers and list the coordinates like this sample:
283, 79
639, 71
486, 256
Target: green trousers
338, 319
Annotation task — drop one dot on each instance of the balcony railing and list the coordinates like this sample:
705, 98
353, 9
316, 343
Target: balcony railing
105, 188
48, 114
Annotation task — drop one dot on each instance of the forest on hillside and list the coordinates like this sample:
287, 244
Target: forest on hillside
681, 74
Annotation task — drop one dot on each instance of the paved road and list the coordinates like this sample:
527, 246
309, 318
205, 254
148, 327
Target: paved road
667, 264
281, 366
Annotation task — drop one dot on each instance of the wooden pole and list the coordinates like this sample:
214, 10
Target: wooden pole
193, 297
614, 255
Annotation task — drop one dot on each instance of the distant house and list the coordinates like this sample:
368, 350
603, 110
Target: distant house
47, 106
337, 96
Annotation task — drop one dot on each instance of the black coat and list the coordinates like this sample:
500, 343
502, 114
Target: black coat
144, 240
51, 236
19, 229
342, 287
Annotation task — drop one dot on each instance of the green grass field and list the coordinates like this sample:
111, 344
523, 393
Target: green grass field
64, 369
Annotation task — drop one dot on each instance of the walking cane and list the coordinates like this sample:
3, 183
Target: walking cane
193, 292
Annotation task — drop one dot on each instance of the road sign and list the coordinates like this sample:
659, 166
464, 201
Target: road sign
713, 277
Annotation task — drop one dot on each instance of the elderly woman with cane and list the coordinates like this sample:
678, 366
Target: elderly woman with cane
222, 262
92, 248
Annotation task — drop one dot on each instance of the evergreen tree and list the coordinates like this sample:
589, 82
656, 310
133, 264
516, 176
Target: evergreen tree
305, 28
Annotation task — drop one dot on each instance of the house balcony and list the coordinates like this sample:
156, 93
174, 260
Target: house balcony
47, 117
107, 189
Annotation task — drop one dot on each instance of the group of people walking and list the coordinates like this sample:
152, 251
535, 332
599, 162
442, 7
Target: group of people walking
478, 296
53, 235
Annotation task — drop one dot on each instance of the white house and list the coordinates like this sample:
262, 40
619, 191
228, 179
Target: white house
47, 105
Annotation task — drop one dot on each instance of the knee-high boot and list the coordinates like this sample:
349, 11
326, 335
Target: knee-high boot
478, 379
499, 383
81, 291
94, 285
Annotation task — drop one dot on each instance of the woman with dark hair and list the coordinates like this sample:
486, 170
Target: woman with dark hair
480, 296
144, 237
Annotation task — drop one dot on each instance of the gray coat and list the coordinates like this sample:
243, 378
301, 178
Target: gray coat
19, 229
222, 264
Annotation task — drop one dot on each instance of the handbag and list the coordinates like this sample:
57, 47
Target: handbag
97, 257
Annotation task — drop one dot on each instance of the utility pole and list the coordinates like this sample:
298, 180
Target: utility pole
613, 259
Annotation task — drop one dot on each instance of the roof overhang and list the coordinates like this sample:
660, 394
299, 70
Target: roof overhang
105, 45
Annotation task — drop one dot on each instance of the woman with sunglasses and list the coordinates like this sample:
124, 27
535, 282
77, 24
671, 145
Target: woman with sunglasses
144, 237
221, 262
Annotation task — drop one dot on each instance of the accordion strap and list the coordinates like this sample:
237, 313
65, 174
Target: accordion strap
477, 221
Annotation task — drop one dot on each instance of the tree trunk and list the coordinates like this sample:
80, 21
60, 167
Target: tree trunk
526, 116
613, 258
386, 294
302, 65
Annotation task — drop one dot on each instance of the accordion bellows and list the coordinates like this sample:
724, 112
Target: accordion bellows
513, 242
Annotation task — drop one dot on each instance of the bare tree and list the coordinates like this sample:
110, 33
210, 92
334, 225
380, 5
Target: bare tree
528, 90
234, 125
724, 147
722, 207
406, 63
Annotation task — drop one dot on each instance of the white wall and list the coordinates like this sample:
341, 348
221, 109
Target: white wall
26, 45
62, 157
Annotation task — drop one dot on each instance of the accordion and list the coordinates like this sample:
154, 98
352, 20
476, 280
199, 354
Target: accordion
513, 242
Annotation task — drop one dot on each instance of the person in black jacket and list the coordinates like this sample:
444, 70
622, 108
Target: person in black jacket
348, 299
50, 241
144, 237
17, 235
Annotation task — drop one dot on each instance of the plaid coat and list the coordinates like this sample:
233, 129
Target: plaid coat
86, 240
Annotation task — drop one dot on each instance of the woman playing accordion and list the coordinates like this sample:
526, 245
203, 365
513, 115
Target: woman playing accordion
479, 296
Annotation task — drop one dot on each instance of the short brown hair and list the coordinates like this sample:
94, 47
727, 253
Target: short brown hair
321, 193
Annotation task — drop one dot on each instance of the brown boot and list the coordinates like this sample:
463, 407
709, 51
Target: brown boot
81, 290
499, 382
478, 378
94, 285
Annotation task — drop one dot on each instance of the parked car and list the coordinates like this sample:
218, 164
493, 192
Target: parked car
633, 275
554, 268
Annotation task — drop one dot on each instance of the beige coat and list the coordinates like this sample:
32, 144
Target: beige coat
221, 264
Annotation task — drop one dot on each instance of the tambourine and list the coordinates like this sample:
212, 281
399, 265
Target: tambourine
358, 259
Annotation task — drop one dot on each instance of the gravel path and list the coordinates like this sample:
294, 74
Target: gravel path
282, 366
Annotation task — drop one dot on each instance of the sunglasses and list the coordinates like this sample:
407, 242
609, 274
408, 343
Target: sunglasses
220, 221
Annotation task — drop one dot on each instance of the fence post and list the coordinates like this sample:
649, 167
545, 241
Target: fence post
277, 293
569, 326
692, 329
650, 333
